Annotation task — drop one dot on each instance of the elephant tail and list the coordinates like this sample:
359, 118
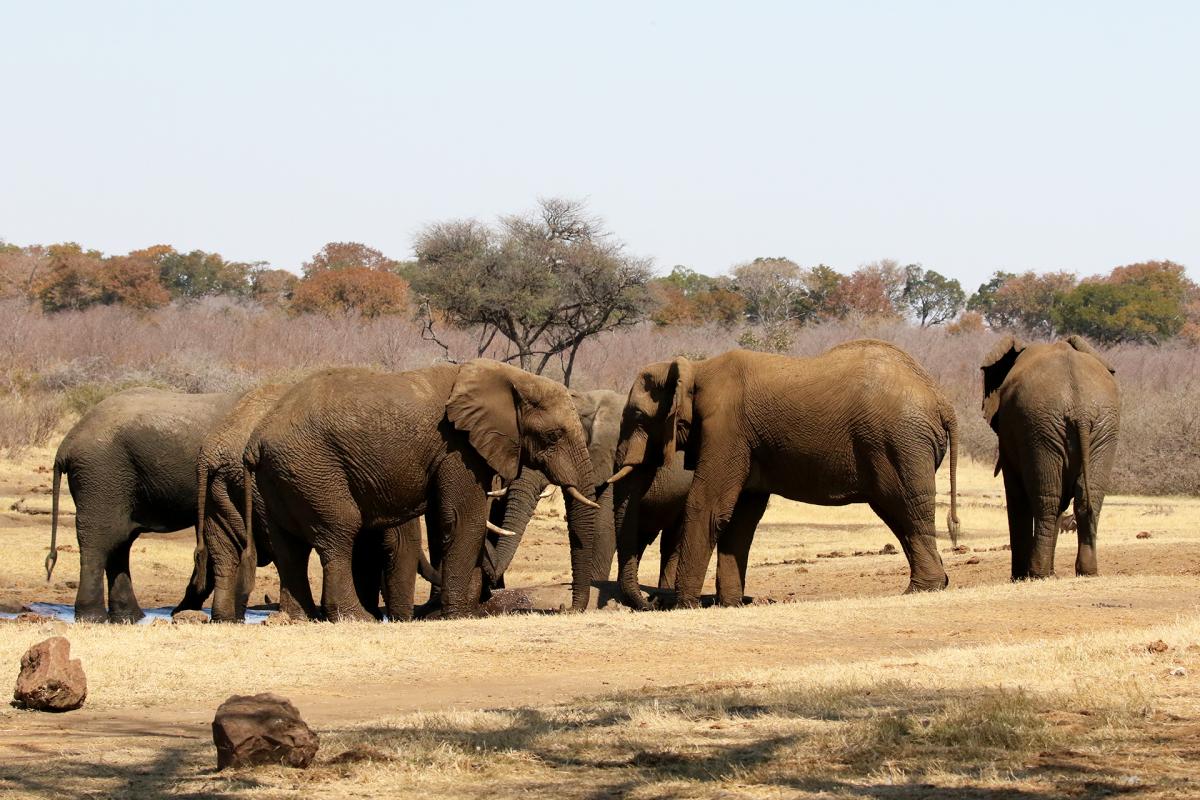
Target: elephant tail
52, 556
200, 570
950, 423
248, 499
1083, 433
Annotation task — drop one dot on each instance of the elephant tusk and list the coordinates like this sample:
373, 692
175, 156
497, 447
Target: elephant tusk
547, 493
578, 495
623, 472
498, 492
494, 528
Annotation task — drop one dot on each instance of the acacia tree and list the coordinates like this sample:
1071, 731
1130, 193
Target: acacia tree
545, 282
931, 297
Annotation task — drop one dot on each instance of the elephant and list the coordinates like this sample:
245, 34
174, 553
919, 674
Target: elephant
1056, 411
225, 560
649, 500
350, 450
861, 423
130, 464
600, 415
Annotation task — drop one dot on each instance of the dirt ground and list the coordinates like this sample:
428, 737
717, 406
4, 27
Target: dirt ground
829, 685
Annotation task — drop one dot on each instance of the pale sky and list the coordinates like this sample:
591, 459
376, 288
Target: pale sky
966, 136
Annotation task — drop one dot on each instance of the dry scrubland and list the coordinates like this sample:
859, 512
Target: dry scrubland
830, 686
52, 367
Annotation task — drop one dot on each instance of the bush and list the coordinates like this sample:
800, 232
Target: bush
351, 289
28, 421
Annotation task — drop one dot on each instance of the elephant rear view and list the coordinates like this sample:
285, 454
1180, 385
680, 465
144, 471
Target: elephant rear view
130, 464
1056, 410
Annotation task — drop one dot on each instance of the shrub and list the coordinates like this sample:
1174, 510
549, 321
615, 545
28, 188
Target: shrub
351, 289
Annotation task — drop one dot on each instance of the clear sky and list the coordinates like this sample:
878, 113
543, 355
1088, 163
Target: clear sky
966, 136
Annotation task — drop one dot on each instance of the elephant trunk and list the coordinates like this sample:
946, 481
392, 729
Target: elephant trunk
605, 545
581, 530
519, 504
627, 499
632, 450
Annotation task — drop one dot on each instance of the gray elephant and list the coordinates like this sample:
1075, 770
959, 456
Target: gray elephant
353, 450
600, 416
862, 423
130, 464
1056, 410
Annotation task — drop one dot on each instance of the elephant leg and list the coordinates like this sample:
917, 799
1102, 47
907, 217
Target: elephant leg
95, 534
193, 598
367, 564
911, 519
709, 506
461, 574
122, 604
247, 566
733, 547
1088, 530
1047, 505
339, 597
402, 551
1020, 525
435, 540
291, 561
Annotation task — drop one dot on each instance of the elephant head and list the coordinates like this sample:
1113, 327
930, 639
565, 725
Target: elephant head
516, 421
658, 417
513, 419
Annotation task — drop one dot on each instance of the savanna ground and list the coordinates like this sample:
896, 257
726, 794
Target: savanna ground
831, 685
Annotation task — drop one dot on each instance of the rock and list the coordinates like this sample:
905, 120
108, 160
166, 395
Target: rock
50, 680
506, 601
1158, 646
889, 549
158, 622
972, 560
1144, 535
190, 618
279, 618
1179, 672
262, 729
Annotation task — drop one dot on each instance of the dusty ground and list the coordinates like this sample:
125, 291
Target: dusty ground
838, 688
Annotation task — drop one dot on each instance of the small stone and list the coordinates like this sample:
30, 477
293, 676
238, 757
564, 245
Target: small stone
972, 560
1179, 672
158, 622
190, 618
279, 618
889, 549
1158, 646
262, 729
1143, 535
50, 680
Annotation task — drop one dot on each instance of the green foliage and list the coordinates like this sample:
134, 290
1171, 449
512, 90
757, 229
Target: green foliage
1025, 303
931, 297
687, 297
1145, 302
199, 274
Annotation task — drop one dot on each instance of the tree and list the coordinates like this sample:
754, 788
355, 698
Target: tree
931, 297
821, 284
1144, 302
20, 268
687, 297
1023, 302
348, 255
69, 279
188, 276
368, 292
545, 281
872, 290
772, 287
132, 281
272, 287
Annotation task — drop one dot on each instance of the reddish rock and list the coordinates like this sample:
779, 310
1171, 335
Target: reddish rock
1144, 535
262, 729
50, 680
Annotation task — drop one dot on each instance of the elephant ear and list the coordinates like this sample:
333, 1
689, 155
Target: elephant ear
483, 404
995, 368
677, 433
587, 409
1079, 343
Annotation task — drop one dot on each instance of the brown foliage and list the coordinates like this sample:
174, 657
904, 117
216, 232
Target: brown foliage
351, 289
347, 255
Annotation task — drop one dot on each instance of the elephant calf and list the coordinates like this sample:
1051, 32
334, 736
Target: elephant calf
130, 464
1056, 410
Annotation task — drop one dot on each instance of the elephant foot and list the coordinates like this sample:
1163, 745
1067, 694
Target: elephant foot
1087, 573
125, 617
91, 615
927, 586
687, 602
340, 614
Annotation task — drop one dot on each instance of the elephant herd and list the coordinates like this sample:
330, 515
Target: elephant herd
350, 461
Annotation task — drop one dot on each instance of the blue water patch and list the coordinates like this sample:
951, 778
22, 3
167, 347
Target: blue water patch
66, 613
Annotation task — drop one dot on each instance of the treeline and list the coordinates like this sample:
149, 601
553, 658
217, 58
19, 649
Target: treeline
545, 281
